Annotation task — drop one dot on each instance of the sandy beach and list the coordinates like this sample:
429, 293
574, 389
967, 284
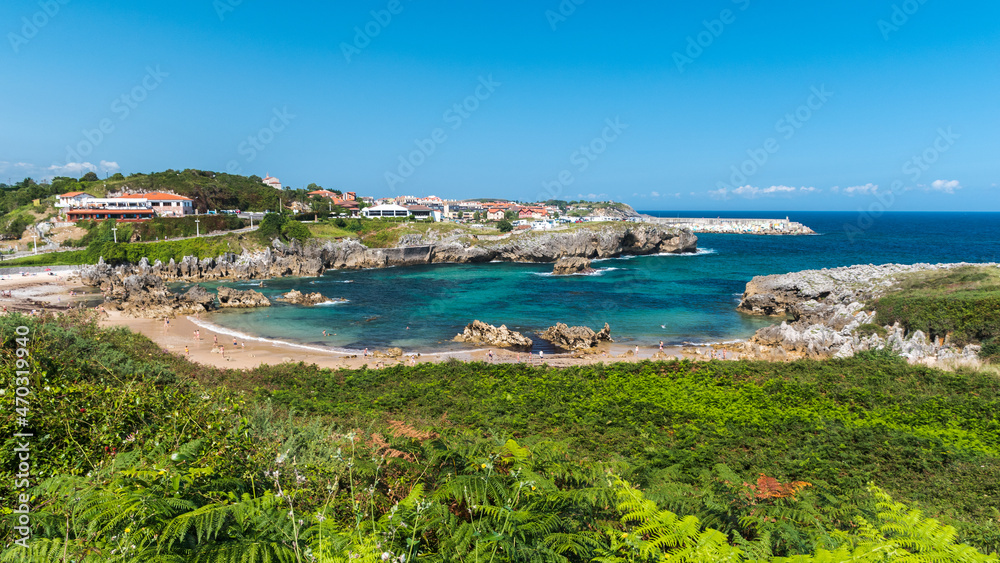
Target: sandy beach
59, 291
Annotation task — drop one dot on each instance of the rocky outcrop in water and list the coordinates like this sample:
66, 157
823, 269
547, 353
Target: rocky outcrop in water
236, 299
146, 296
478, 332
312, 259
576, 337
571, 265
296, 297
828, 316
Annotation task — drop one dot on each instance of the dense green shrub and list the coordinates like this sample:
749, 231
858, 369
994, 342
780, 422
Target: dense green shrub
962, 303
869, 329
454, 461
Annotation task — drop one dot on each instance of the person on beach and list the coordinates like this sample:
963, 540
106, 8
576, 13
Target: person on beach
222, 351
661, 346
541, 355
186, 351
489, 354
215, 339
324, 334
234, 342
637, 351
366, 352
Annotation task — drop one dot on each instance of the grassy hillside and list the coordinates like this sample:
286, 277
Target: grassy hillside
140, 455
209, 190
962, 304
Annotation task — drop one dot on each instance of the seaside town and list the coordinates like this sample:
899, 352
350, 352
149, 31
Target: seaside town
500, 282
506, 215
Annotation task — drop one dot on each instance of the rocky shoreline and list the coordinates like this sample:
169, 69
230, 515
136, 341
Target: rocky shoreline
825, 310
314, 258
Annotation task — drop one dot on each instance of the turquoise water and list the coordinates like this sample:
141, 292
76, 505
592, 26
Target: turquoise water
674, 298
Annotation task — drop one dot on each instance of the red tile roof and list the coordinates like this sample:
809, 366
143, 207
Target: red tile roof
74, 194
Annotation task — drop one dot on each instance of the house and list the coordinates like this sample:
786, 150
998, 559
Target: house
420, 211
351, 196
272, 181
165, 205
494, 214
72, 199
386, 210
349, 205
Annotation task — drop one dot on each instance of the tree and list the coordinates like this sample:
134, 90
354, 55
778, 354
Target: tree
295, 230
90, 177
510, 215
117, 177
505, 226
475, 216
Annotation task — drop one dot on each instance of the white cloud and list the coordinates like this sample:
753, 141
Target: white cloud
946, 186
110, 166
654, 194
754, 191
867, 189
73, 169
721, 193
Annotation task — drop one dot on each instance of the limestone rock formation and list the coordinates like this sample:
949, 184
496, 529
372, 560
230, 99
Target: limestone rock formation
146, 296
478, 332
571, 265
576, 337
826, 310
314, 257
235, 298
296, 297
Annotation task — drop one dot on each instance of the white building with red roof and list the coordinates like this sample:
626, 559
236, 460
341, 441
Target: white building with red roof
166, 205
273, 182
71, 199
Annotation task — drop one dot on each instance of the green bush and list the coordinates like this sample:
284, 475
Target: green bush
869, 329
135, 448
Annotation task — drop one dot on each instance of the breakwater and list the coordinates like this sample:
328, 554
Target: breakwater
727, 225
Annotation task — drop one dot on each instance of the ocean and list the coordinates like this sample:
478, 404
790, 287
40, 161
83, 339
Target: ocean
674, 298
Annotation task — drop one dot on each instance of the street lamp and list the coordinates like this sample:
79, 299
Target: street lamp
197, 228
115, 231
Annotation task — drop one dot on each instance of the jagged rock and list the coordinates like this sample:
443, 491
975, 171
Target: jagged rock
571, 265
314, 257
577, 337
240, 299
145, 295
826, 310
296, 297
478, 332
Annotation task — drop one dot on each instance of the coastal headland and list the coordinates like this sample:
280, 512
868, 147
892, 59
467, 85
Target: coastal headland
314, 257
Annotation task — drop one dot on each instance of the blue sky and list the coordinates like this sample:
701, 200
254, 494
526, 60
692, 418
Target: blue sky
728, 104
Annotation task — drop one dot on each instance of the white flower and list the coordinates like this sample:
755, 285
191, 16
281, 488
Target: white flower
386, 555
